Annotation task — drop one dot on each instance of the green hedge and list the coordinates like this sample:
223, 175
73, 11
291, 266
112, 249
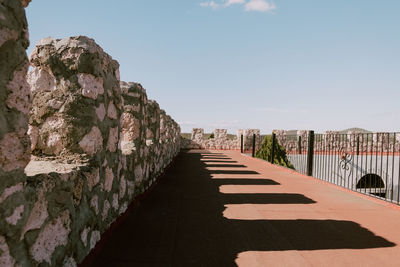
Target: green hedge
280, 157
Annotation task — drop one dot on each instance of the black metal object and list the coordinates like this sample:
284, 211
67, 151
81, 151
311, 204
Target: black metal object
273, 148
358, 145
310, 153
253, 153
241, 143
368, 163
299, 145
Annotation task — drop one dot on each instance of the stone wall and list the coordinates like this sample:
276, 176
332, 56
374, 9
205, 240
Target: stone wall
14, 94
248, 135
96, 144
334, 141
14, 141
221, 140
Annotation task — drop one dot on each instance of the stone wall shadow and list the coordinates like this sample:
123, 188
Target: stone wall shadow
181, 223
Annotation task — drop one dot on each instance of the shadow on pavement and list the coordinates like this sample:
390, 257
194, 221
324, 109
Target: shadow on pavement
181, 223
219, 161
226, 166
239, 181
270, 198
232, 172
218, 158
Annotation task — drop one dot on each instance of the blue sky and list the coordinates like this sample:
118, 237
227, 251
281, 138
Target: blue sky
282, 64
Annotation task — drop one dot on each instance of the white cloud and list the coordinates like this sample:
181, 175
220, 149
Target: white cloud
232, 2
249, 5
259, 5
211, 4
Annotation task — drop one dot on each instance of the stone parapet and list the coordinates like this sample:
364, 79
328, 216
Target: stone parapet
15, 99
220, 141
96, 144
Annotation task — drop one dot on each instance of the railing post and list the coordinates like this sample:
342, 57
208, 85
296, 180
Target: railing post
299, 145
310, 153
358, 145
241, 143
254, 146
273, 148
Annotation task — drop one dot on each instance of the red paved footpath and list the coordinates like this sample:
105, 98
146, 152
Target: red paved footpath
220, 208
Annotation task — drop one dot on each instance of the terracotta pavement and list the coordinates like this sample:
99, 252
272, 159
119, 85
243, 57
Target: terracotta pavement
221, 208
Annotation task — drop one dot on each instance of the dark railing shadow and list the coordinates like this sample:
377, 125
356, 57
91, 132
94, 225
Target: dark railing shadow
213, 156
319, 234
270, 198
181, 223
244, 181
220, 161
226, 165
232, 172
218, 158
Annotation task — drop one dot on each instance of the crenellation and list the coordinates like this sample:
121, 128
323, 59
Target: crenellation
221, 141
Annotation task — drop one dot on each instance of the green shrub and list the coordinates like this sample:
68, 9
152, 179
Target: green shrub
280, 157
211, 136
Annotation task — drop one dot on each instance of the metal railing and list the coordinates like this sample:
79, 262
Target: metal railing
368, 163
247, 148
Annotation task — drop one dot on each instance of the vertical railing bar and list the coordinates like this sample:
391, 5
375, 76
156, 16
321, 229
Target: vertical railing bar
345, 180
323, 157
361, 163
315, 163
310, 153
303, 164
376, 160
305, 160
398, 181
371, 159
298, 157
345, 152
319, 157
338, 160
321, 154
273, 148
334, 157
241, 143
387, 163
394, 146
382, 150
327, 148
366, 162
253, 152
330, 163
356, 164
316, 155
